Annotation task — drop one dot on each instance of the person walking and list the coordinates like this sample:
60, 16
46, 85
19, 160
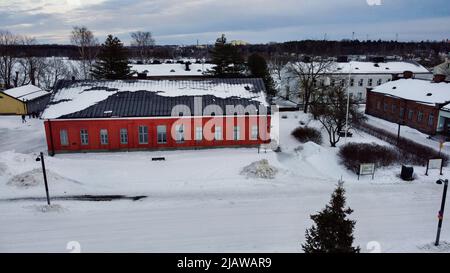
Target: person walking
23, 119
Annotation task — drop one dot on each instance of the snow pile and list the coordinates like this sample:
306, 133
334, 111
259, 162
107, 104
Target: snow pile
34, 178
260, 169
48, 208
442, 247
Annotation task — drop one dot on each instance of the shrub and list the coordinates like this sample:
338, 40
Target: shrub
354, 154
305, 134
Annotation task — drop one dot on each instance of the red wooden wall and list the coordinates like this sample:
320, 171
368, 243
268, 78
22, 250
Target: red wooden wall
73, 127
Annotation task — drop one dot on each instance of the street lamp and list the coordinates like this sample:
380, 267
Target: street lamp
441, 212
41, 159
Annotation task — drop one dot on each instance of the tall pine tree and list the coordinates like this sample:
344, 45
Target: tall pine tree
227, 59
332, 231
257, 66
112, 62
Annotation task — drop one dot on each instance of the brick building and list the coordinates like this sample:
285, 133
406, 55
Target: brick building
420, 104
156, 114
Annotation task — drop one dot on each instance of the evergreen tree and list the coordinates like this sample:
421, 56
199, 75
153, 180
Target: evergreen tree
332, 232
227, 59
257, 66
112, 61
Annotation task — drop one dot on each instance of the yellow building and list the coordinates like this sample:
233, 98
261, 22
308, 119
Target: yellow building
15, 101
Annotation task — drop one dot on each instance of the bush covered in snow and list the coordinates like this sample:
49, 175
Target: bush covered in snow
260, 169
353, 154
305, 134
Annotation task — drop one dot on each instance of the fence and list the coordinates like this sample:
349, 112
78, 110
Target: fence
414, 152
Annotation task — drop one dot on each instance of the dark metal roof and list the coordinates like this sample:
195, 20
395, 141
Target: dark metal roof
148, 103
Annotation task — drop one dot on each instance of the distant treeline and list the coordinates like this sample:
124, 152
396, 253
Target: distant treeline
424, 49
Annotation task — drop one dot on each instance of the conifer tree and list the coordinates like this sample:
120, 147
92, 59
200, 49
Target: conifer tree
332, 231
227, 59
112, 62
257, 66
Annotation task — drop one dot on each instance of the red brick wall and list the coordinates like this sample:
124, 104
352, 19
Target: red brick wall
375, 106
113, 126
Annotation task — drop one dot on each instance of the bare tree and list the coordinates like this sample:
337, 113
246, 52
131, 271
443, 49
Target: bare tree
56, 69
29, 66
331, 111
8, 57
87, 46
308, 73
277, 65
144, 41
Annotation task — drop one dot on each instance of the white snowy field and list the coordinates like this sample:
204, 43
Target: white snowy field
199, 202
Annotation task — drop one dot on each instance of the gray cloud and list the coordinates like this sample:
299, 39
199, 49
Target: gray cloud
177, 21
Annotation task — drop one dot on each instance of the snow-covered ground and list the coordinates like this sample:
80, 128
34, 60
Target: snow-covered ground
198, 200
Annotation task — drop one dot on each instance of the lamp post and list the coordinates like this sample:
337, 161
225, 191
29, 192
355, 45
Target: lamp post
41, 159
441, 212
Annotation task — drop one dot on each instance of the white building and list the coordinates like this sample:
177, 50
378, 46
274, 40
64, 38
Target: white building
362, 75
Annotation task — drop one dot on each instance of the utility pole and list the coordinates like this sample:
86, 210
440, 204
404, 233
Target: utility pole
41, 158
441, 212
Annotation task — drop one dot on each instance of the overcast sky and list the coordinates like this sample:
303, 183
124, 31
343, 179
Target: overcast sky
255, 21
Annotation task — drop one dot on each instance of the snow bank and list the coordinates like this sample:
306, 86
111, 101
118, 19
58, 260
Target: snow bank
260, 169
48, 208
34, 178
442, 247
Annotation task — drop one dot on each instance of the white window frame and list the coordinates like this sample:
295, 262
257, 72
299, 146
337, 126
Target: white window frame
218, 133
361, 82
123, 136
237, 133
161, 135
179, 133
370, 82
143, 134
254, 133
104, 137
84, 137
64, 137
198, 133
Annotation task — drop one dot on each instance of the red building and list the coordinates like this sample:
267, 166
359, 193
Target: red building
156, 114
418, 104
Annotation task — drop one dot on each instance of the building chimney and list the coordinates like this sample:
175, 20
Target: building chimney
408, 75
73, 78
187, 64
439, 78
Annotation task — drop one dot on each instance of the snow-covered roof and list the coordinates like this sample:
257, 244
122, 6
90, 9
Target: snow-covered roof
417, 90
26, 92
382, 68
174, 69
74, 96
356, 67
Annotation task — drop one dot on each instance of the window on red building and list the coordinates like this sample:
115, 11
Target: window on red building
84, 137
420, 116
64, 138
103, 136
431, 119
123, 136
410, 114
